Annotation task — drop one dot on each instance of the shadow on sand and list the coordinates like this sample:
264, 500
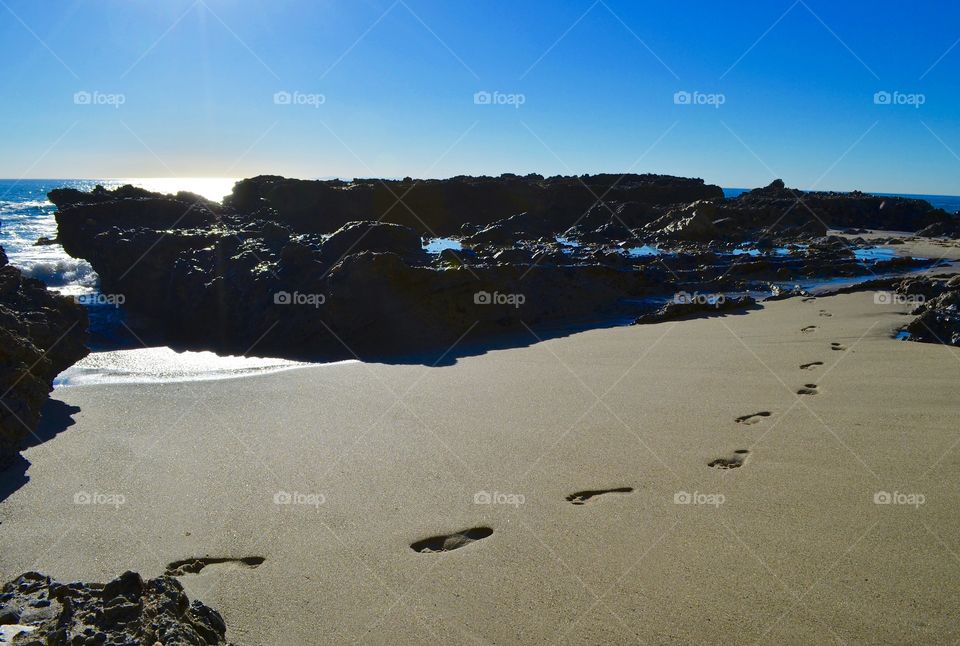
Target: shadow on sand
55, 418
484, 343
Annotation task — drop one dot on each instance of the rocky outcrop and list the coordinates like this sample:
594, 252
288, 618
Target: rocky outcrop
299, 269
378, 237
782, 207
127, 610
441, 207
686, 308
938, 310
368, 289
692, 222
41, 334
945, 229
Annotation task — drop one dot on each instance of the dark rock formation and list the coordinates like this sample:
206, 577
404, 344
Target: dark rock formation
127, 610
41, 334
357, 237
696, 307
792, 207
302, 269
938, 312
691, 222
946, 229
441, 207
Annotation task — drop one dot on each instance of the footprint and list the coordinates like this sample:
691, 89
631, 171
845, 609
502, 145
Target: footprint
449, 542
753, 419
193, 566
734, 462
811, 365
582, 497
825, 313
808, 389
808, 329
837, 347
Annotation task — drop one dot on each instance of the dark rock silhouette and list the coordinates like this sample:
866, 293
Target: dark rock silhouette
441, 207
41, 334
336, 269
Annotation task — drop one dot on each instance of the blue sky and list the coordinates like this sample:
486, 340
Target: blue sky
597, 82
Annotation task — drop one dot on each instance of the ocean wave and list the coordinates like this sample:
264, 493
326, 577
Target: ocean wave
61, 272
15, 205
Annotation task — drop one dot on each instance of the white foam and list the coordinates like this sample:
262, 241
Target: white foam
164, 365
60, 272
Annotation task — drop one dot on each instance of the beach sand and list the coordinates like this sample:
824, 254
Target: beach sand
790, 547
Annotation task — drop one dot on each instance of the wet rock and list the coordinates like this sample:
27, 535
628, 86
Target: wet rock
695, 307
938, 314
513, 256
379, 237
127, 610
693, 222
456, 257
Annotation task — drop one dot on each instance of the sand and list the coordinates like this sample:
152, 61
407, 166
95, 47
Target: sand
789, 547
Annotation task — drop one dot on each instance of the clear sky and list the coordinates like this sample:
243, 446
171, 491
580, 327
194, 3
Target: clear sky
387, 88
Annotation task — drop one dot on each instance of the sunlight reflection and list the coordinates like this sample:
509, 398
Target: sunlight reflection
212, 188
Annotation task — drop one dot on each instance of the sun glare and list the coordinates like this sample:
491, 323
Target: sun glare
212, 188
